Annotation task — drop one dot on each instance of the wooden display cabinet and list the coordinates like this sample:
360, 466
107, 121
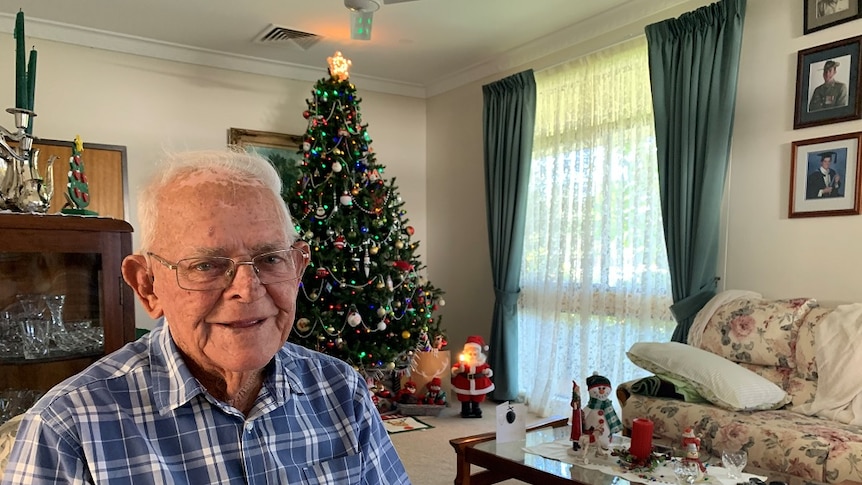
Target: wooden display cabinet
76, 256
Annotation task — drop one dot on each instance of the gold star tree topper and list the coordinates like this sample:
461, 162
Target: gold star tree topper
338, 66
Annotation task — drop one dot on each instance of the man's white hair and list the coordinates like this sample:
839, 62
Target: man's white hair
244, 169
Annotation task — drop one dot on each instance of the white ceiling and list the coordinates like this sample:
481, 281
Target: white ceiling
417, 48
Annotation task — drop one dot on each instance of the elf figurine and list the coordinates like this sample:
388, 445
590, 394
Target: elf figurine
600, 419
434, 395
407, 394
471, 377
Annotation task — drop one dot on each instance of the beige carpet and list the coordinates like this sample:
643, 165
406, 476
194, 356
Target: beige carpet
427, 454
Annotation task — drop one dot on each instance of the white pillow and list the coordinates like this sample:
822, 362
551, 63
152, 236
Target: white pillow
720, 381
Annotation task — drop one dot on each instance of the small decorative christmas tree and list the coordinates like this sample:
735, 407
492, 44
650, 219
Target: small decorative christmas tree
77, 189
362, 298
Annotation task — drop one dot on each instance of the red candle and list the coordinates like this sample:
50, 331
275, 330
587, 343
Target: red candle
641, 446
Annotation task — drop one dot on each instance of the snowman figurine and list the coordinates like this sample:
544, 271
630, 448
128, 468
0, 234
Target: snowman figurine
691, 445
600, 421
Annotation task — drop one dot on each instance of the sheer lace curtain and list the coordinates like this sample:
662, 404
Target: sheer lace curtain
595, 276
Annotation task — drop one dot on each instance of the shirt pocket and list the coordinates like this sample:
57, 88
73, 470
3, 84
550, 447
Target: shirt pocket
346, 470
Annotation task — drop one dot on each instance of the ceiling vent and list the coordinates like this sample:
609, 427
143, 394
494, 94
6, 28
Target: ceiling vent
275, 34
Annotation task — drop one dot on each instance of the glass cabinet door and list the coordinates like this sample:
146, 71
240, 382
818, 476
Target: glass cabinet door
63, 303
50, 305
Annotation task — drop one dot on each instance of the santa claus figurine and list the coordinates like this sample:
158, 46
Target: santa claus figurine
577, 417
471, 377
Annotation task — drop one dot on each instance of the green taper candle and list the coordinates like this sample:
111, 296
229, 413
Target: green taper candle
20, 73
31, 87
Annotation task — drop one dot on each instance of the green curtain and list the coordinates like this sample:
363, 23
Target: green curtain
508, 119
694, 63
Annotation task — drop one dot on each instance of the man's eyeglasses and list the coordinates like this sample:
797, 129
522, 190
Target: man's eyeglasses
206, 273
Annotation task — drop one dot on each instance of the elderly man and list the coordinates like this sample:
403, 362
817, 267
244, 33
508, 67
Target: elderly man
214, 394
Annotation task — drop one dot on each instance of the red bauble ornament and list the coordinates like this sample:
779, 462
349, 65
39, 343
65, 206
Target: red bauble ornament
409, 230
402, 265
339, 242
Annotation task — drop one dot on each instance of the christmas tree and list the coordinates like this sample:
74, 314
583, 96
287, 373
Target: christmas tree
362, 298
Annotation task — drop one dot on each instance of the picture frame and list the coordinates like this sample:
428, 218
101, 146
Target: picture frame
821, 100
813, 193
266, 143
281, 149
822, 14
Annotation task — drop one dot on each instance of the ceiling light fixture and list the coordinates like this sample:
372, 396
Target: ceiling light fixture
361, 13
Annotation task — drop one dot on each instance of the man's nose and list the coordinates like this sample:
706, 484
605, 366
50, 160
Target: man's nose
250, 275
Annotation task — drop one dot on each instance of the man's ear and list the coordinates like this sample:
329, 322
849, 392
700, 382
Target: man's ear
304, 247
137, 276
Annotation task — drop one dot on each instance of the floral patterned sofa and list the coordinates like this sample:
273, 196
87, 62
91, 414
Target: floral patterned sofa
776, 340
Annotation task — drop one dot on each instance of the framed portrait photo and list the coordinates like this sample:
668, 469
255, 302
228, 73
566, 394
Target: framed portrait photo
266, 142
282, 150
827, 84
824, 176
822, 14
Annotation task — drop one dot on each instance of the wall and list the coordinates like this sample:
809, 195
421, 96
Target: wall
765, 250
761, 249
151, 106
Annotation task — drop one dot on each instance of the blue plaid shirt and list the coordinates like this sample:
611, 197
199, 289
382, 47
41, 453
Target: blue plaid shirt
138, 416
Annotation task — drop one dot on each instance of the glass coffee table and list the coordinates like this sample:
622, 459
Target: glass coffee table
503, 461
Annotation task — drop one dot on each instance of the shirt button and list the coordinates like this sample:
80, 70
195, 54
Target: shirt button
249, 427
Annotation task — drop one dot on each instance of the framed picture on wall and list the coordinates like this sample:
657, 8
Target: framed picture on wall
283, 150
827, 84
824, 176
822, 14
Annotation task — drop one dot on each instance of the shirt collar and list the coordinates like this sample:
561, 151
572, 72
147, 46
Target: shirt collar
174, 385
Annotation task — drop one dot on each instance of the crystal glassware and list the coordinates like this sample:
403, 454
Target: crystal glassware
686, 472
35, 333
10, 332
32, 305
55, 305
734, 462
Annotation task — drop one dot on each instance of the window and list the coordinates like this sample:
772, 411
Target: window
595, 277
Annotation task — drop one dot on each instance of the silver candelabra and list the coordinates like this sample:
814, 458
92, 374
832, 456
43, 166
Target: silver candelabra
22, 188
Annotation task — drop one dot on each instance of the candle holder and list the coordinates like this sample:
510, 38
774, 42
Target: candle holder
22, 187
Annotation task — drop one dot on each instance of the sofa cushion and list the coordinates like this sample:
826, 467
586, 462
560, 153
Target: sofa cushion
720, 381
806, 365
757, 331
